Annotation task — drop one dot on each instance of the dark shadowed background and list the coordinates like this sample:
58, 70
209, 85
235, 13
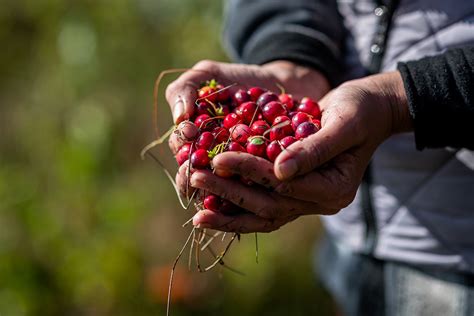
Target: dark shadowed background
86, 227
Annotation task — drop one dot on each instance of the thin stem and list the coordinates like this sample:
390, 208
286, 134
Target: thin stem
198, 264
204, 234
170, 286
282, 89
191, 250
209, 241
225, 265
169, 178
157, 142
219, 259
188, 174
254, 116
187, 222
191, 199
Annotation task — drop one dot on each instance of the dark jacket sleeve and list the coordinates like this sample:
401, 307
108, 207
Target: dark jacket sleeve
440, 93
307, 32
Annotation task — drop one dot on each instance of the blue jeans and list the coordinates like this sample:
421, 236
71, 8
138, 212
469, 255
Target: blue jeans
365, 286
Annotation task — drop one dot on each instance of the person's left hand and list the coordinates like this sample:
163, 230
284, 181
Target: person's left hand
271, 203
318, 175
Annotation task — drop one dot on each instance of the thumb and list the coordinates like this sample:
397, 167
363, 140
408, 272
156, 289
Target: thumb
315, 150
182, 92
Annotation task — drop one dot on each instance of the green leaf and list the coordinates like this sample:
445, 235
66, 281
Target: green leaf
212, 83
257, 141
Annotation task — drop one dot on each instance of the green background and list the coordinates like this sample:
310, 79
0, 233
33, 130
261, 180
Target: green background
86, 227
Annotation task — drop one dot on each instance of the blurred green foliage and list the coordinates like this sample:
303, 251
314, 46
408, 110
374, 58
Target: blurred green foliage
86, 227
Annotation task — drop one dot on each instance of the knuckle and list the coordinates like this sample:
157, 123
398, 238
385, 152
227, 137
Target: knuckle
228, 227
266, 210
331, 211
205, 64
358, 128
275, 224
269, 226
243, 229
349, 196
345, 196
285, 188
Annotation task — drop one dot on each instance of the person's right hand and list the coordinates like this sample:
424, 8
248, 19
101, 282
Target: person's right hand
318, 175
298, 80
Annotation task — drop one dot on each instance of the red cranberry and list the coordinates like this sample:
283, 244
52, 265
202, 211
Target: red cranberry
187, 131
247, 111
224, 95
231, 120
221, 134
273, 150
280, 119
287, 141
311, 107
206, 93
234, 146
183, 154
259, 127
281, 128
305, 129
292, 114
256, 146
212, 202
240, 97
204, 121
273, 109
240, 133
299, 118
266, 98
200, 159
287, 100
255, 93
203, 107
205, 141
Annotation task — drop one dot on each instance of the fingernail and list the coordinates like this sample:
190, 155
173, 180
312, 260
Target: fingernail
287, 168
178, 109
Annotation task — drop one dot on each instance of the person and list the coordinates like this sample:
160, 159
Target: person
401, 244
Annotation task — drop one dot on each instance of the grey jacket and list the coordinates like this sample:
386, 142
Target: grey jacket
424, 200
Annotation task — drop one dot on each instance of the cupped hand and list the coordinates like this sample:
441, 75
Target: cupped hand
296, 79
299, 80
318, 175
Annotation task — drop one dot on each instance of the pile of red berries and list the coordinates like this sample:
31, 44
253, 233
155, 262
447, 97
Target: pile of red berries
256, 121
